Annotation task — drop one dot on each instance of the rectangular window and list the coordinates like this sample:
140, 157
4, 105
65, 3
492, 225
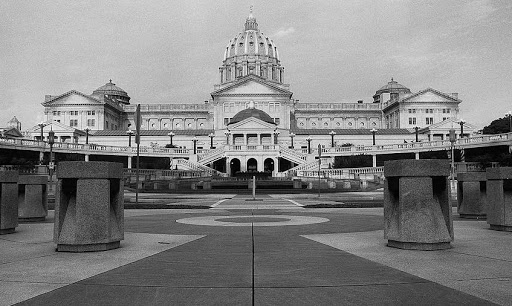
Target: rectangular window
277, 120
447, 110
91, 122
106, 125
73, 122
91, 113
412, 120
226, 121
429, 120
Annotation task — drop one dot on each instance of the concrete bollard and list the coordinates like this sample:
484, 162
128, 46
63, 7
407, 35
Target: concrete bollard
32, 197
417, 210
297, 184
499, 198
207, 184
173, 185
8, 201
471, 195
89, 213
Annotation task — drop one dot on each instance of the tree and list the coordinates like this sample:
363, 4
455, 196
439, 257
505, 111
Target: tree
500, 125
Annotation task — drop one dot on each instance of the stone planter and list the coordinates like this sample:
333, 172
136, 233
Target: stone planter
89, 208
8, 201
471, 195
417, 211
499, 198
32, 197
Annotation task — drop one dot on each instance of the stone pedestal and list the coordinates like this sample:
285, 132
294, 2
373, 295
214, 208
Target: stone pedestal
417, 212
89, 212
499, 198
297, 184
8, 201
346, 185
471, 195
32, 197
207, 184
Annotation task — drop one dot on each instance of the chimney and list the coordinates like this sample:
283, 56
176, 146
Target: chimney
359, 101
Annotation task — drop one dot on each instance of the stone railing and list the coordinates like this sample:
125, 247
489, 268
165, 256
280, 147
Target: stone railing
207, 156
335, 106
413, 147
166, 107
292, 154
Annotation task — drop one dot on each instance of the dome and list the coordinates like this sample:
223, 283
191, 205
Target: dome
251, 52
393, 86
112, 91
251, 112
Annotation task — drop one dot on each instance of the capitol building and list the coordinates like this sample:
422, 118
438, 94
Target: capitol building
251, 121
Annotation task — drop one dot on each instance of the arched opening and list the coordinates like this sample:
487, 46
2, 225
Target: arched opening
268, 165
235, 166
252, 165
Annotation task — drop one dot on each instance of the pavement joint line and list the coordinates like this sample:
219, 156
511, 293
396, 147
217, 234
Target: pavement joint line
218, 203
480, 256
23, 242
26, 259
294, 202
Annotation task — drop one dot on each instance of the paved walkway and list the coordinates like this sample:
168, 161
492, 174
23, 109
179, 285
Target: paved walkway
268, 252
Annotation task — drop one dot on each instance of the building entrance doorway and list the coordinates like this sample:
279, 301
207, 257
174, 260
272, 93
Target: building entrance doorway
235, 166
252, 165
268, 165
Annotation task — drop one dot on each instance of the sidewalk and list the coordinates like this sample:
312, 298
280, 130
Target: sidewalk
260, 255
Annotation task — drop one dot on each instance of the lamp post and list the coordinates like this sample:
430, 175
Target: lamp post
291, 137
195, 144
211, 135
452, 141
227, 133
374, 131
416, 131
87, 135
308, 139
276, 133
461, 122
332, 133
41, 127
509, 115
171, 135
130, 133
51, 165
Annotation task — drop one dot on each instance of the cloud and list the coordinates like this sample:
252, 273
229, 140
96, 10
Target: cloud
282, 32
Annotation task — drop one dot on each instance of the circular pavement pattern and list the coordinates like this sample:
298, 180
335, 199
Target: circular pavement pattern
251, 220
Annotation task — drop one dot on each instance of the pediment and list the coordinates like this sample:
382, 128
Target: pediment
73, 98
451, 123
252, 124
252, 85
430, 95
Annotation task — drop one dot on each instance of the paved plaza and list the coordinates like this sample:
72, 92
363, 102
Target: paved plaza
268, 251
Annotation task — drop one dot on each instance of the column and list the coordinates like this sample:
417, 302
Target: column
129, 162
416, 155
86, 157
374, 160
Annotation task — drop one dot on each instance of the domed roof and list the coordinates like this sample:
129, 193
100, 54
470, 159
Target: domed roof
393, 86
251, 42
110, 89
251, 112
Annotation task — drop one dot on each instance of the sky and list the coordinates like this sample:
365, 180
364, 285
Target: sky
333, 51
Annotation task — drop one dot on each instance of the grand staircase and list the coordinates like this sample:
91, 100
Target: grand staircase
211, 156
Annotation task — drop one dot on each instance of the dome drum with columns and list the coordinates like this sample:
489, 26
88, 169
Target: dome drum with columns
251, 52
251, 121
